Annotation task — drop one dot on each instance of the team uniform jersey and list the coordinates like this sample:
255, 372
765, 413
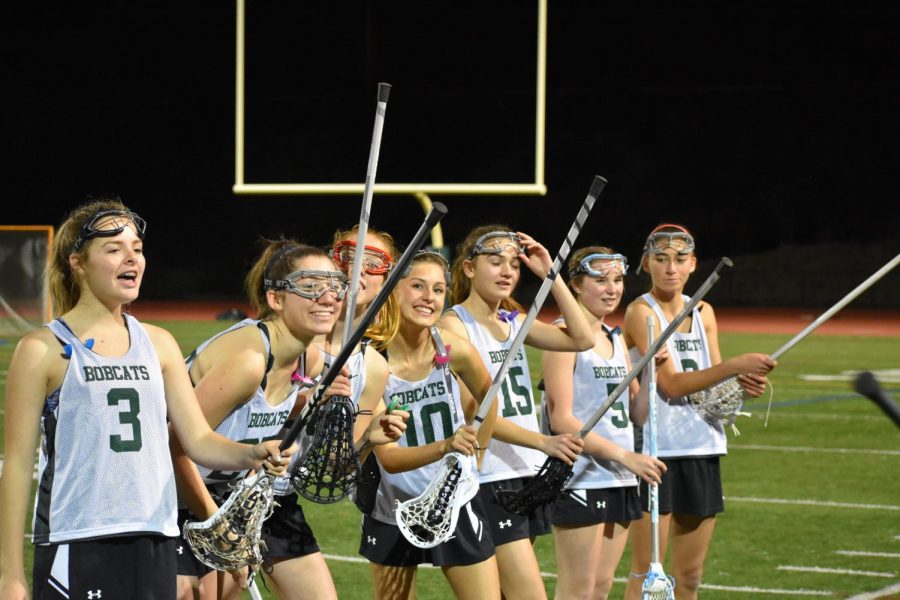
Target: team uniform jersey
680, 430
253, 421
435, 413
105, 468
594, 379
506, 461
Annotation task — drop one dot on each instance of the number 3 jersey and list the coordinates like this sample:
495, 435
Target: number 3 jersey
435, 413
594, 379
681, 431
506, 461
105, 468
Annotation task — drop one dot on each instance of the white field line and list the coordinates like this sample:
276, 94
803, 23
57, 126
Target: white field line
836, 571
755, 590
865, 553
815, 450
824, 503
891, 589
819, 416
883, 375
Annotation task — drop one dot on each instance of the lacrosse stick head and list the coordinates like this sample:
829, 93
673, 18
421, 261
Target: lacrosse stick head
430, 518
657, 585
231, 538
544, 488
327, 470
721, 403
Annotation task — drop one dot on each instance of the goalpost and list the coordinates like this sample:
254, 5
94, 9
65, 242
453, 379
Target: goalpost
24, 257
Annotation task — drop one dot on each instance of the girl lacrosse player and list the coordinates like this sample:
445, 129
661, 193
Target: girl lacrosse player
690, 494
424, 380
100, 386
247, 380
590, 521
292, 548
485, 274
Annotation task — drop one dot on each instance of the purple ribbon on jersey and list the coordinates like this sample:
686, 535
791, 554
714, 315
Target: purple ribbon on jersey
507, 316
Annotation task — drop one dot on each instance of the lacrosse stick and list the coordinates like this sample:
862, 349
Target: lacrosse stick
430, 518
384, 90
868, 386
232, 536
548, 484
722, 402
327, 469
657, 586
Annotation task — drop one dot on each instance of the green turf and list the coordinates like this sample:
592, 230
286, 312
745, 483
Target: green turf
752, 539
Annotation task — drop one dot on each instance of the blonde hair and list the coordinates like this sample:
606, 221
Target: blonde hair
65, 290
385, 329
461, 286
275, 262
388, 317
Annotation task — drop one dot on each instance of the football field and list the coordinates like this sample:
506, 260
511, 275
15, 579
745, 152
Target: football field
812, 500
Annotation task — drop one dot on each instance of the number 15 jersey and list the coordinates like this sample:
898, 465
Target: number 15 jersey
516, 403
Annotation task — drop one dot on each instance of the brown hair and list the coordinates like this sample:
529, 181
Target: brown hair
65, 291
461, 286
275, 262
577, 257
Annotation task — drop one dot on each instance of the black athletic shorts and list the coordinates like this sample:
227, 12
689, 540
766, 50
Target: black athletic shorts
471, 543
690, 486
507, 526
286, 533
188, 564
140, 567
594, 506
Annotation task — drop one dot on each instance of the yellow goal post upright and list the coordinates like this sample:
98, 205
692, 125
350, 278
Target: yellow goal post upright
24, 295
422, 192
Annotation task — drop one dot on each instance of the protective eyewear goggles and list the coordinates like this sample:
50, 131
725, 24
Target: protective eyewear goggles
599, 265
311, 285
680, 241
496, 242
375, 260
109, 223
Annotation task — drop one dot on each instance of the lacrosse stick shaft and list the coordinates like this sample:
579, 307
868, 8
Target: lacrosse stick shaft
656, 345
384, 90
596, 188
438, 210
868, 386
840, 304
654, 491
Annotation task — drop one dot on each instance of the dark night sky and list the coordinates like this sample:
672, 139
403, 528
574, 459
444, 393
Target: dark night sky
759, 128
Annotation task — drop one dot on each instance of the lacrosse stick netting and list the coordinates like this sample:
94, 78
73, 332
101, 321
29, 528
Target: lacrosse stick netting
429, 519
232, 536
722, 402
657, 586
548, 485
328, 468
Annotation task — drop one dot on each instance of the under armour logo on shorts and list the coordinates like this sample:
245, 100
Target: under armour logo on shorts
601, 504
370, 539
180, 550
92, 595
505, 524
